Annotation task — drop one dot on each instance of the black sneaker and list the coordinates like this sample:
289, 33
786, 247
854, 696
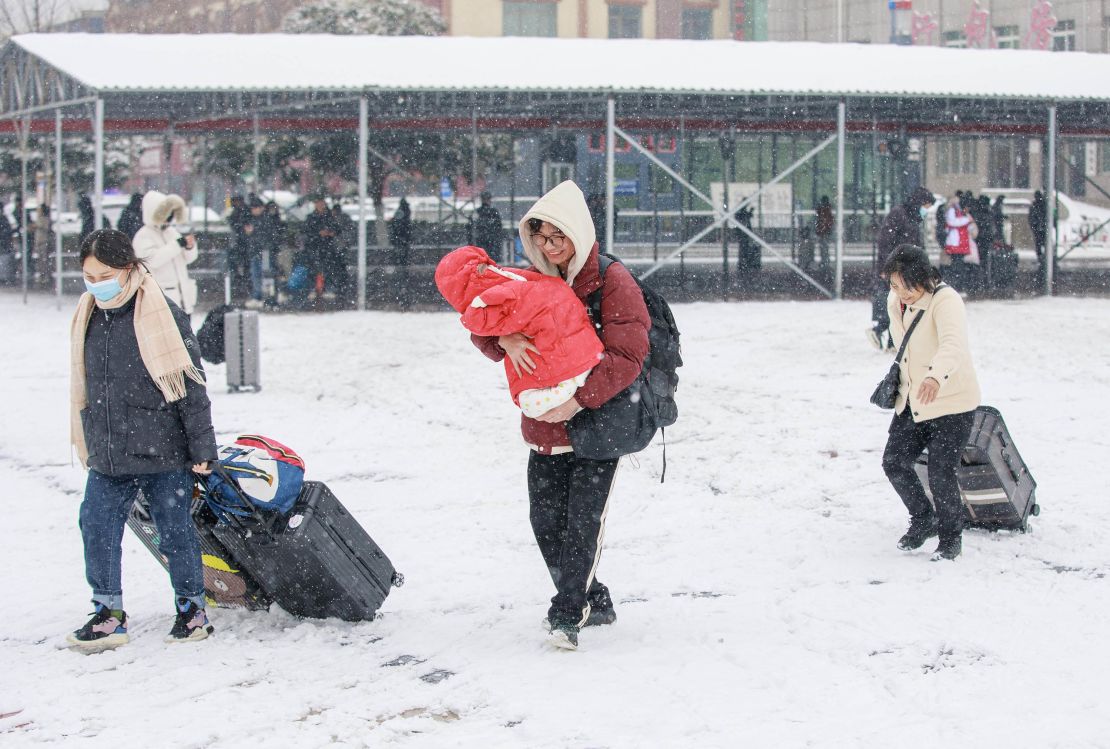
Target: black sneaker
601, 610
920, 531
602, 616
564, 636
191, 623
106, 630
949, 549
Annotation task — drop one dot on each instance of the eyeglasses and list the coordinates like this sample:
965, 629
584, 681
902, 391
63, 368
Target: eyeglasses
557, 240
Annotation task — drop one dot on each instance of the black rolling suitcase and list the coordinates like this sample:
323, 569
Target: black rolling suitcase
997, 489
225, 585
316, 560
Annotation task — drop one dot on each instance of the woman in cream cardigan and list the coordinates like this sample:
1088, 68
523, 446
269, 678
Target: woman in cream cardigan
937, 398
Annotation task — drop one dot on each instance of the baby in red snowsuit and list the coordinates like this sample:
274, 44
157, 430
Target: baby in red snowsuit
494, 301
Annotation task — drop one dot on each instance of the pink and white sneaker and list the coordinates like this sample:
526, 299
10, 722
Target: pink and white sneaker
191, 623
106, 630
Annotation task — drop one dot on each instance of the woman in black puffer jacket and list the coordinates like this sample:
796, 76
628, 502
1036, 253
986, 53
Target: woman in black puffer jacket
141, 422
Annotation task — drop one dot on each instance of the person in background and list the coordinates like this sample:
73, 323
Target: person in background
275, 240
164, 251
238, 251
7, 251
254, 246
824, 225
998, 218
960, 249
88, 217
940, 231
489, 234
43, 245
320, 235
131, 219
7, 241
400, 230
938, 393
140, 421
400, 237
1038, 226
346, 240
901, 226
984, 222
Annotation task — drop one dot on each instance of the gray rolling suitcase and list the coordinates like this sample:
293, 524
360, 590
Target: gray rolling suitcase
997, 489
242, 350
316, 560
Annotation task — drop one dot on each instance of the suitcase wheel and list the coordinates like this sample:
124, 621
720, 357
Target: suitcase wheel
398, 580
1035, 510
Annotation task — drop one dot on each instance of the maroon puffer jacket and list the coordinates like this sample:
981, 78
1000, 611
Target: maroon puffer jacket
624, 333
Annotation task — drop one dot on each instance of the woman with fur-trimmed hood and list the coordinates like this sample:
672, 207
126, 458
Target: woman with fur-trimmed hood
164, 251
569, 495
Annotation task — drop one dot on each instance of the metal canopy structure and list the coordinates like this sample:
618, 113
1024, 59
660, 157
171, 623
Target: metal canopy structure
123, 83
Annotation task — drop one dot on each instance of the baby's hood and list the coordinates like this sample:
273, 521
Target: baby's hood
458, 280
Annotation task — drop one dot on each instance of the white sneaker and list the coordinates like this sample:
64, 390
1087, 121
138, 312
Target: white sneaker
874, 340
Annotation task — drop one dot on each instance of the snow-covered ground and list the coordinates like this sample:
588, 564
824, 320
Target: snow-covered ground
761, 599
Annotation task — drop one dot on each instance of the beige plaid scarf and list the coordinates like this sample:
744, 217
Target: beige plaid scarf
160, 345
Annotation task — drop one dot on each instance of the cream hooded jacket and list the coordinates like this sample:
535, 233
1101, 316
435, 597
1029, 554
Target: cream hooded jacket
939, 349
565, 207
156, 244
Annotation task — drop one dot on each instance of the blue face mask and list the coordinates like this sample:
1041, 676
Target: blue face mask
923, 211
105, 291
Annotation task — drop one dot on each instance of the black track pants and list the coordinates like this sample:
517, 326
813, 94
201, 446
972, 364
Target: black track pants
568, 497
945, 437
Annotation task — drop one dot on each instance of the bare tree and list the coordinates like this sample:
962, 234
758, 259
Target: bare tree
26, 16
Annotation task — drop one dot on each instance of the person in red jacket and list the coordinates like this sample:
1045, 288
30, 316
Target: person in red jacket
495, 302
568, 495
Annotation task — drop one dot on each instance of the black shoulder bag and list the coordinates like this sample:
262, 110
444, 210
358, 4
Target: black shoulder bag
886, 393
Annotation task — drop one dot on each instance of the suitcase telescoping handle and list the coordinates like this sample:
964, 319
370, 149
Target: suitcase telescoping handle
233, 518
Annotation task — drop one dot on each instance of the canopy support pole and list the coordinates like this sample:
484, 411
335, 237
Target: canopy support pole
24, 144
58, 199
98, 163
610, 170
841, 115
363, 144
1050, 215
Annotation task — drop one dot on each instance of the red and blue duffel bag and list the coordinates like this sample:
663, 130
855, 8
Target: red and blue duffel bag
265, 473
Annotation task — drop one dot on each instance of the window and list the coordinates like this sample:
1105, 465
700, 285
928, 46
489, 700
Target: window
1008, 163
953, 39
957, 156
697, 23
1008, 37
1063, 36
1104, 157
555, 172
519, 18
624, 21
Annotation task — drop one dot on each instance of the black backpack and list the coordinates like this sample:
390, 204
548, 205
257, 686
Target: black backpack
664, 354
211, 335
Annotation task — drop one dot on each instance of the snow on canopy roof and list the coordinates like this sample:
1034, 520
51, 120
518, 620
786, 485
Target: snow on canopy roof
321, 62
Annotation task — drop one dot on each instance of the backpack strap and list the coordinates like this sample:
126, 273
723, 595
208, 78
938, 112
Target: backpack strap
593, 301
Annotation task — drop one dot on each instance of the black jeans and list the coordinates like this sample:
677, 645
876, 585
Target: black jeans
568, 497
945, 437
